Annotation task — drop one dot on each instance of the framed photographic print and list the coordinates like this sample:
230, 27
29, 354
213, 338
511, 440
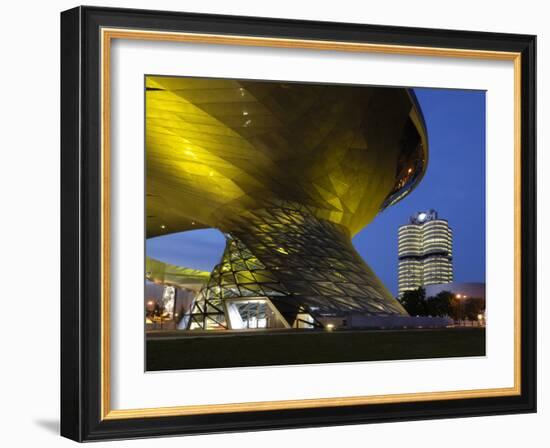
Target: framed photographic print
274, 224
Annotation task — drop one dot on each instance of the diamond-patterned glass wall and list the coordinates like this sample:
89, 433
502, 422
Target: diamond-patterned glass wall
302, 264
243, 284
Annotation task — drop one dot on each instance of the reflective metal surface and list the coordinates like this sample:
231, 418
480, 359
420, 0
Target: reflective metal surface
278, 165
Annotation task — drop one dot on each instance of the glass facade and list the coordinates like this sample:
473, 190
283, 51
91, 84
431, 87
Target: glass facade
306, 268
425, 252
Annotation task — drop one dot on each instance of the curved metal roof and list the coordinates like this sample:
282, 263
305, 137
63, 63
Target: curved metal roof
169, 274
216, 148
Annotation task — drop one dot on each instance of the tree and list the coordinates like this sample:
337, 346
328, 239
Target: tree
456, 308
466, 309
440, 305
415, 302
472, 307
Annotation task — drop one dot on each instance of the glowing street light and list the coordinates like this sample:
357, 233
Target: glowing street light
461, 302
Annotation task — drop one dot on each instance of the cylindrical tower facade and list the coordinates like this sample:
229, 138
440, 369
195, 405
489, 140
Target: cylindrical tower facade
410, 258
437, 251
425, 252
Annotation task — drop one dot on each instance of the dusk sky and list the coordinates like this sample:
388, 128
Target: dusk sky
454, 185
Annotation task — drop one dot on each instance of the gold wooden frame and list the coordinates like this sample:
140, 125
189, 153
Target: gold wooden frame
107, 35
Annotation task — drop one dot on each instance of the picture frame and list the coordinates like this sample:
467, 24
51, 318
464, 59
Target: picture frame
87, 34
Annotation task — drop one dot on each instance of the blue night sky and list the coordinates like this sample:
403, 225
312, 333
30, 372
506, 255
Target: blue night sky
454, 185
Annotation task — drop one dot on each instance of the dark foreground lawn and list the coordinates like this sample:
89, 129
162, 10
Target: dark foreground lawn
171, 350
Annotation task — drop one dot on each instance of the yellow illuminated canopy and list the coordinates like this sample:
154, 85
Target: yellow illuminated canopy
289, 172
169, 274
217, 148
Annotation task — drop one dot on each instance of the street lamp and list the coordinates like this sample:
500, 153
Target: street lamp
460, 297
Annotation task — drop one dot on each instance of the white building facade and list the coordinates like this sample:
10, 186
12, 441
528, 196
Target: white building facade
425, 252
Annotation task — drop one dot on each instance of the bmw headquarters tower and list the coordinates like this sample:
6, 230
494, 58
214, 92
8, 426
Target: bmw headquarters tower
289, 172
425, 252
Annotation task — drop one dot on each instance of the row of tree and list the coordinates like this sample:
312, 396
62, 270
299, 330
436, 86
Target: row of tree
444, 304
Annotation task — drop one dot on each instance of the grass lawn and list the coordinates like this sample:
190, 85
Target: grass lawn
171, 350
